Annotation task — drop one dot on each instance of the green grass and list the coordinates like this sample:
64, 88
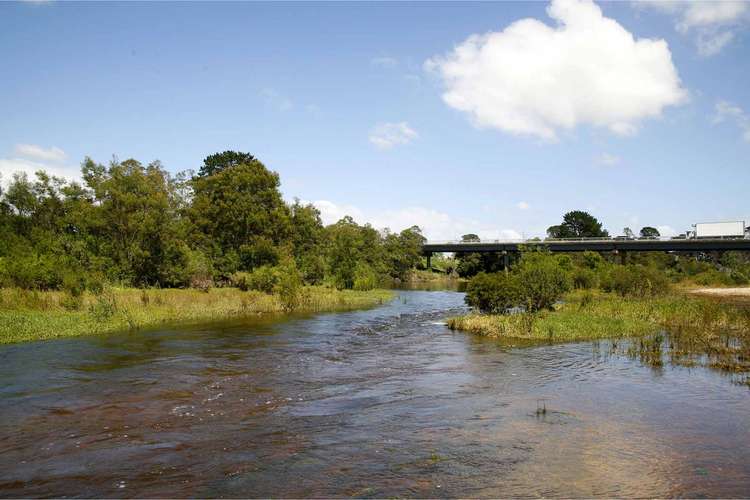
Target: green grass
675, 328
32, 315
597, 315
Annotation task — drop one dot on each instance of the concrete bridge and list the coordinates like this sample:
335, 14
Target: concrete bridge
613, 245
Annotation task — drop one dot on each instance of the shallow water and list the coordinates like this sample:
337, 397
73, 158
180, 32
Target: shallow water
385, 402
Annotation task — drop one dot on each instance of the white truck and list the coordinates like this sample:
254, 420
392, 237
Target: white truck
729, 229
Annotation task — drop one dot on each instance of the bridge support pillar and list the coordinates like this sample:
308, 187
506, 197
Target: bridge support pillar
429, 264
623, 257
506, 260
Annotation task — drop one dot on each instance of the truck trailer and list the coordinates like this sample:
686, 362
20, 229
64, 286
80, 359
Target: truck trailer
728, 229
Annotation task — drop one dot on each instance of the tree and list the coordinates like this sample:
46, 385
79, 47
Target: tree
470, 238
239, 214
649, 232
215, 163
578, 224
629, 234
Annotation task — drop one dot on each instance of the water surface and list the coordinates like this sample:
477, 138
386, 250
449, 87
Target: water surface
385, 402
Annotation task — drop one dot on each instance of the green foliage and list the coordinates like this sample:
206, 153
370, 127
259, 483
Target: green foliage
138, 225
584, 278
263, 279
364, 277
593, 260
493, 292
635, 281
649, 232
542, 279
577, 224
535, 284
215, 163
288, 285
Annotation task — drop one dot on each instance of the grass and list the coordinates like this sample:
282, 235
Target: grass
32, 315
598, 315
679, 328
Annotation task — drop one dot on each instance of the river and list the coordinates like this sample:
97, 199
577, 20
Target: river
385, 402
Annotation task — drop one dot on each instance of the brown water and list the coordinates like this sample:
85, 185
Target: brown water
386, 402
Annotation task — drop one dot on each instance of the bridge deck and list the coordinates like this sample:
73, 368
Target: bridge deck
596, 245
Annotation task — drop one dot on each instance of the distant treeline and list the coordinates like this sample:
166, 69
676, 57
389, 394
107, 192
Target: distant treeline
138, 225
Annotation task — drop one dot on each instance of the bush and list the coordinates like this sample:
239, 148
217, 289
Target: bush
493, 293
636, 280
584, 278
263, 279
542, 281
364, 277
288, 285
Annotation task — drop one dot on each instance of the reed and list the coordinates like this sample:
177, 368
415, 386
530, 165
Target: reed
34, 315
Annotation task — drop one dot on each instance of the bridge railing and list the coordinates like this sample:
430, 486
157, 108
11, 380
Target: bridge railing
577, 240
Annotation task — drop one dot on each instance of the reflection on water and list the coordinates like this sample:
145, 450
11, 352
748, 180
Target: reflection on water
385, 402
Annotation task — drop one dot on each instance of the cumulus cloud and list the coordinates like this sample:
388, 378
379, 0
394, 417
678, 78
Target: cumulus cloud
384, 62
725, 110
714, 23
30, 158
10, 166
388, 135
608, 160
435, 225
535, 79
34, 152
522, 205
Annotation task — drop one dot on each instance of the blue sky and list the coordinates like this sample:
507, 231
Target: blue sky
637, 112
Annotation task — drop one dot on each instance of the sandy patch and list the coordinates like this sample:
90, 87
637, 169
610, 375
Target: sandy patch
724, 292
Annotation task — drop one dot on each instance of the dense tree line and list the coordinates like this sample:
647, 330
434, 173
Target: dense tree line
139, 225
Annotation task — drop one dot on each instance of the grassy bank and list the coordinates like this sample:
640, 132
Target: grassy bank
597, 315
30, 315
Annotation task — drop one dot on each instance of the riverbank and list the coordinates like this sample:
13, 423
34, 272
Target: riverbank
32, 315
585, 315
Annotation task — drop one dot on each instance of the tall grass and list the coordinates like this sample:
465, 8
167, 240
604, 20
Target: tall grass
586, 315
33, 315
676, 328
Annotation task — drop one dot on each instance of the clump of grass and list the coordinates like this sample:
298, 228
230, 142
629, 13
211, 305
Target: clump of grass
33, 315
683, 329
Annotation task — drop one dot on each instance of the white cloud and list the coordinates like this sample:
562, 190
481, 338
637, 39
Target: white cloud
388, 135
714, 23
435, 225
608, 160
330, 212
276, 100
536, 79
725, 110
10, 166
522, 205
384, 62
34, 152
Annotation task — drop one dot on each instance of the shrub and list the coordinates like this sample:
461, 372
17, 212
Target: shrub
542, 281
288, 285
364, 277
584, 278
263, 279
493, 293
636, 280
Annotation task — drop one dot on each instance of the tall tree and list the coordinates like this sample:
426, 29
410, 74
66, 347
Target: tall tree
649, 232
239, 213
578, 224
215, 163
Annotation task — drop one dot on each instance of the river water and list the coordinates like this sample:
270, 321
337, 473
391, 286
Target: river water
378, 403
